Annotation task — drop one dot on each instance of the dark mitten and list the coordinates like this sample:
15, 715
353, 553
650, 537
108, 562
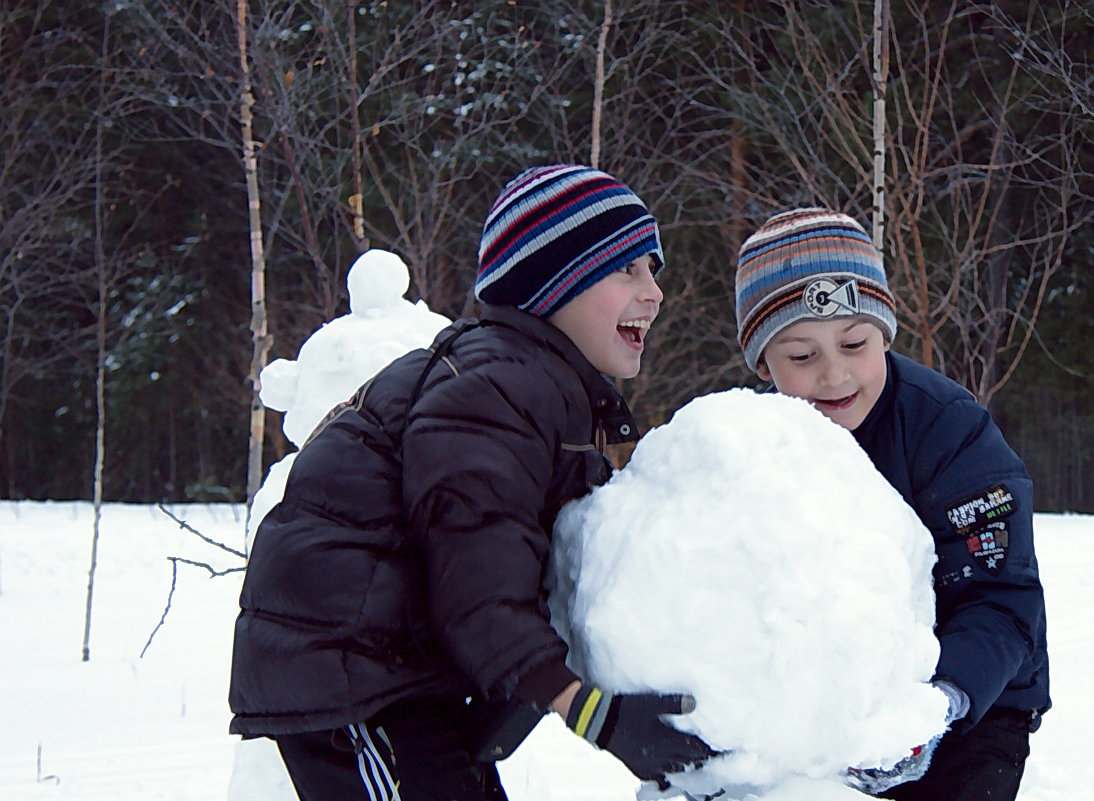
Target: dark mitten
632, 727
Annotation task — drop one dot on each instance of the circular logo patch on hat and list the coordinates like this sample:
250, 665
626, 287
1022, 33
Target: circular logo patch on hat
825, 298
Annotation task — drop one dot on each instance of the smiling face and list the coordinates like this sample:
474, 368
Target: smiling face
836, 365
609, 320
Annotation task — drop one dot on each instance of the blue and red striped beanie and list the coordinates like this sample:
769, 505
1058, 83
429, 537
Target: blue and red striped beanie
555, 231
808, 264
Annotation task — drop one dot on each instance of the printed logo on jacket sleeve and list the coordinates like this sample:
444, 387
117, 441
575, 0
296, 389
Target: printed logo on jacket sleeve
981, 520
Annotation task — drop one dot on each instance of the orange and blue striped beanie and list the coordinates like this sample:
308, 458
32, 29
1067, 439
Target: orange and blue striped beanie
808, 264
555, 231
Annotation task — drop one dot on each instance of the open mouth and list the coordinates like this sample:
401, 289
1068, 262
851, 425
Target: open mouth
633, 331
836, 404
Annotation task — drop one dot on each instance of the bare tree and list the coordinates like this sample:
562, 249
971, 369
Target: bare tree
977, 214
963, 130
46, 175
259, 331
980, 212
115, 259
191, 72
598, 83
100, 334
880, 79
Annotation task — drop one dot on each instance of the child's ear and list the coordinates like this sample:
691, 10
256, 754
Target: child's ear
763, 372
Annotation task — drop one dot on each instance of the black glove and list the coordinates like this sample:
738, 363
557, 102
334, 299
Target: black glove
633, 729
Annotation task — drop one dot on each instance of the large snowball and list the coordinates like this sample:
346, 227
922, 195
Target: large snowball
794, 603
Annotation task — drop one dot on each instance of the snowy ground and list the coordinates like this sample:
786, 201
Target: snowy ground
121, 727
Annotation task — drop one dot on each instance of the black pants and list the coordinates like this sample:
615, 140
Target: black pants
985, 762
409, 753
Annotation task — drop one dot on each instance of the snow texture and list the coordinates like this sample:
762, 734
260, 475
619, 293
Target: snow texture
152, 725
750, 554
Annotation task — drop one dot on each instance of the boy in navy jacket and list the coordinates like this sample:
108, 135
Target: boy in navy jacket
815, 316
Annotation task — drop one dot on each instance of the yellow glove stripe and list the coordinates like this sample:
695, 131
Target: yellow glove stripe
587, 710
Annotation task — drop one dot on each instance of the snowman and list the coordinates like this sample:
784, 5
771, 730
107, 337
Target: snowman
340, 356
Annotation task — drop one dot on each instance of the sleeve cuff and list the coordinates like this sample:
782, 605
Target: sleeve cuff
959, 702
541, 684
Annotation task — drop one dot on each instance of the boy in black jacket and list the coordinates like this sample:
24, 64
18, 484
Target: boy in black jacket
815, 316
394, 636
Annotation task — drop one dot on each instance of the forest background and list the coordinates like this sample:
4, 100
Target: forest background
183, 187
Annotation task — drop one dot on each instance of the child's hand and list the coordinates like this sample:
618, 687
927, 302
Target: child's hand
910, 769
632, 727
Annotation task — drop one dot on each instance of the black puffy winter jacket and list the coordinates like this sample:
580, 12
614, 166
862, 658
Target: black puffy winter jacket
406, 559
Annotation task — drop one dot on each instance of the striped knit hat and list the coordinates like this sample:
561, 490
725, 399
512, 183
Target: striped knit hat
808, 264
555, 231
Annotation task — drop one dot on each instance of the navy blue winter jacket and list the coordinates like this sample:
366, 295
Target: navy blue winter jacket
941, 450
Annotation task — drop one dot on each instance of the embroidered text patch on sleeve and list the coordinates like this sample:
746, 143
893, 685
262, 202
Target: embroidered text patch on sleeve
981, 520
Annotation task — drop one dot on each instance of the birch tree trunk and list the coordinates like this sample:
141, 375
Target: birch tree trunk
881, 74
598, 85
100, 346
259, 332
356, 199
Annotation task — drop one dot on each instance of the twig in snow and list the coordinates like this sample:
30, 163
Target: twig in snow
166, 609
51, 777
195, 532
174, 560
213, 572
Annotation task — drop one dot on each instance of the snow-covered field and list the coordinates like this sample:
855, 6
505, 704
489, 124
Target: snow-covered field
123, 727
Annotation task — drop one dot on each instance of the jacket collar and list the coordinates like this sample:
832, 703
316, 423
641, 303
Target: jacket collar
609, 408
864, 432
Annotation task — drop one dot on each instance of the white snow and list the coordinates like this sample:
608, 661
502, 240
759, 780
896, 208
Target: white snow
818, 578
727, 564
123, 728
